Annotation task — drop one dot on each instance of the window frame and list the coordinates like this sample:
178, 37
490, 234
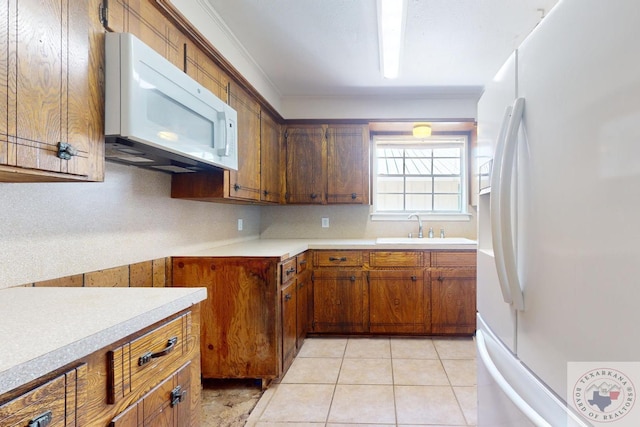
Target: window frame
434, 140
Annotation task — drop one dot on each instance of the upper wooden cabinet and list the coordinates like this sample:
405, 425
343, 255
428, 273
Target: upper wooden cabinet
203, 70
51, 57
327, 164
145, 21
245, 182
270, 159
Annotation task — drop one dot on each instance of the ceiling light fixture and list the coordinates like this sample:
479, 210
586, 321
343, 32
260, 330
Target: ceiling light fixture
421, 130
391, 19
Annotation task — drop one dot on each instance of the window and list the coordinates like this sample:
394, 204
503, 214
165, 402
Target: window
426, 176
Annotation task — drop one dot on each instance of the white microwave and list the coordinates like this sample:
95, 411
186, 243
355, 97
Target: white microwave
158, 117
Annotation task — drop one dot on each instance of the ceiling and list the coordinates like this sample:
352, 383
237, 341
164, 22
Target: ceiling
330, 47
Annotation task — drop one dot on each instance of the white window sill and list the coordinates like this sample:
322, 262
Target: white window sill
424, 216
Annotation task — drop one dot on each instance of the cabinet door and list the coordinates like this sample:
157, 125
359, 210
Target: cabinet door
306, 164
348, 164
302, 306
245, 182
288, 302
397, 301
167, 404
52, 54
453, 295
339, 301
238, 322
270, 155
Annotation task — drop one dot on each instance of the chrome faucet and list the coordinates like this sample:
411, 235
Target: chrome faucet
419, 223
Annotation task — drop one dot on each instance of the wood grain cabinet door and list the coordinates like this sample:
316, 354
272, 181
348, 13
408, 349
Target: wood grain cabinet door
348, 164
453, 295
270, 163
245, 182
339, 300
306, 164
397, 301
288, 300
52, 57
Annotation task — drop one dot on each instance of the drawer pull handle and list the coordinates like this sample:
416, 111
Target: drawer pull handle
146, 358
291, 270
42, 420
333, 258
66, 151
303, 262
177, 395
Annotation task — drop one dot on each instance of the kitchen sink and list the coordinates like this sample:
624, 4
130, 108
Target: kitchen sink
425, 241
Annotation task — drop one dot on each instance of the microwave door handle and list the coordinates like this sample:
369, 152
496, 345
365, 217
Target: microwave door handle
224, 152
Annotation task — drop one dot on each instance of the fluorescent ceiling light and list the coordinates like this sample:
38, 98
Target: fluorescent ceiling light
391, 19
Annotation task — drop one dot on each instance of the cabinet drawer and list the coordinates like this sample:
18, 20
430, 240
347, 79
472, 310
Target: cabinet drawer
396, 259
338, 258
136, 365
453, 259
53, 403
288, 270
302, 261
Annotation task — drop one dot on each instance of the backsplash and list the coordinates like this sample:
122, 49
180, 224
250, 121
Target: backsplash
53, 230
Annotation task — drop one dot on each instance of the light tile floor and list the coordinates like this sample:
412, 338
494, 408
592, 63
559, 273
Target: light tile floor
340, 382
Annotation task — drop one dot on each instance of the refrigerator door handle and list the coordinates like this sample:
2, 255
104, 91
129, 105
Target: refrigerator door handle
504, 385
494, 209
505, 203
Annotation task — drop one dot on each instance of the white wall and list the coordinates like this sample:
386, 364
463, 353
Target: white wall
57, 229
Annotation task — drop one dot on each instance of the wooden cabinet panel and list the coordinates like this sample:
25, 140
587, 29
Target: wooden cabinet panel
330, 258
245, 182
303, 306
135, 364
339, 301
52, 56
270, 160
306, 164
397, 301
288, 270
453, 295
348, 164
166, 405
57, 401
382, 259
239, 336
203, 70
454, 259
289, 322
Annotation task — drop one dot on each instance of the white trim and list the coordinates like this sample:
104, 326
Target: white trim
402, 216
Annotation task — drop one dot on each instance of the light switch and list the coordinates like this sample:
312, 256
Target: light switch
325, 222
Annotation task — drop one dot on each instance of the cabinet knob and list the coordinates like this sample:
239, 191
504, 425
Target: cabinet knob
414, 278
314, 196
236, 187
352, 278
265, 192
66, 151
291, 270
440, 279
287, 297
353, 196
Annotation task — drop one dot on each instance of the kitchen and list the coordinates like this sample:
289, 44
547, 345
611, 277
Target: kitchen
130, 218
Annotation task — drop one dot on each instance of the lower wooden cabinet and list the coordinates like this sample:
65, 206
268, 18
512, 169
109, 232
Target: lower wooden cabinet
144, 379
453, 295
304, 306
166, 405
339, 301
54, 403
399, 301
289, 294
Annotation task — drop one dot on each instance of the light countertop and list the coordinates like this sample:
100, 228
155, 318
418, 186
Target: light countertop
286, 248
44, 329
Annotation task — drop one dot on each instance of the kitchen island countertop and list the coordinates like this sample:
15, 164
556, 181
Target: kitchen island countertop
44, 329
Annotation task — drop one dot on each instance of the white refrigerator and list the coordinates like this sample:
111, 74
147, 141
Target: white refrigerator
559, 218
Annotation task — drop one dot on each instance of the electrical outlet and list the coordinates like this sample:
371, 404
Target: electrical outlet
325, 222
240, 225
